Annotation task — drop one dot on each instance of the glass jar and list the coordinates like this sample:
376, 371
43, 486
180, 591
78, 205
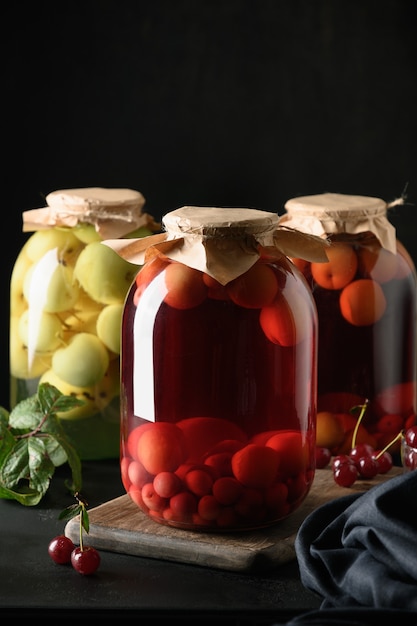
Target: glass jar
218, 374
366, 297
66, 298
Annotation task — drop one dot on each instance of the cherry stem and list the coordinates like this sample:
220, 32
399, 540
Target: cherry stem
81, 529
83, 515
363, 408
396, 438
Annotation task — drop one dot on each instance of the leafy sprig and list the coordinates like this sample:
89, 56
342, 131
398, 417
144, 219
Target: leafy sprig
33, 444
80, 508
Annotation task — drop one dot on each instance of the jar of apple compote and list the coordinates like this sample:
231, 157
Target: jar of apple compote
218, 372
66, 298
366, 302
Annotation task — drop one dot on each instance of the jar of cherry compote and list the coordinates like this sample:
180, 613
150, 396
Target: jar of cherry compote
218, 372
66, 299
366, 302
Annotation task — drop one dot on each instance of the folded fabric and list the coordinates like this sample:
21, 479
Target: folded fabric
354, 617
361, 550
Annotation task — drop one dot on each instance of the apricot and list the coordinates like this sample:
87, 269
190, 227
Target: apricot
182, 506
199, 482
124, 467
161, 448
133, 438
150, 270
362, 302
362, 436
185, 286
329, 430
227, 490
203, 433
255, 288
215, 290
220, 463
399, 398
340, 269
377, 263
301, 264
339, 401
390, 424
262, 438
405, 264
292, 450
208, 507
383, 439
286, 322
255, 466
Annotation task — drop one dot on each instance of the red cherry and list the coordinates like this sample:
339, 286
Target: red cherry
323, 456
85, 561
345, 474
361, 450
60, 549
341, 459
384, 461
367, 467
411, 436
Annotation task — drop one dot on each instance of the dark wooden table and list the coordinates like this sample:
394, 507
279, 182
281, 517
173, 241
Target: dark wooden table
127, 586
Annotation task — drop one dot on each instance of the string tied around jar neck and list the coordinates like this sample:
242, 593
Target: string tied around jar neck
222, 242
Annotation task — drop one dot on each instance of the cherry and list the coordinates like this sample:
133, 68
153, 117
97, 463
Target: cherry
411, 436
367, 466
384, 461
323, 456
361, 450
85, 560
345, 474
60, 549
341, 459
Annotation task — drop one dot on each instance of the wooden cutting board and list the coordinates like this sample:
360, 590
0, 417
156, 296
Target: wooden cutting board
120, 526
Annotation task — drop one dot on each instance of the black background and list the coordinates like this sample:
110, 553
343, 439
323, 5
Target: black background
218, 102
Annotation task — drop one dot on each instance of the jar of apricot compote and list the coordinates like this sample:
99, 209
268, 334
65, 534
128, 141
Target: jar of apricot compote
366, 297
218, 372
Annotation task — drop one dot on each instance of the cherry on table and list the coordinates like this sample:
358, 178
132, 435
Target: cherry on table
323, 456
384, 461
86, 560
60, 549
411, 436
367, 466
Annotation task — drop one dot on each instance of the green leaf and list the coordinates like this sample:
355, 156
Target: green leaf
41, 468
51, 400
15, 466
4, 417
85, 521
33, 443
71, 511
7, 441
24, 496
55, 451
26, 415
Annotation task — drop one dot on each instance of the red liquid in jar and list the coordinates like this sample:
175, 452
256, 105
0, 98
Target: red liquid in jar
374, 358
218, 406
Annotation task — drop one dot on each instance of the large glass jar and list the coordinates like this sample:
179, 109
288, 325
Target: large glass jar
218, 374
366, 299
66, 298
